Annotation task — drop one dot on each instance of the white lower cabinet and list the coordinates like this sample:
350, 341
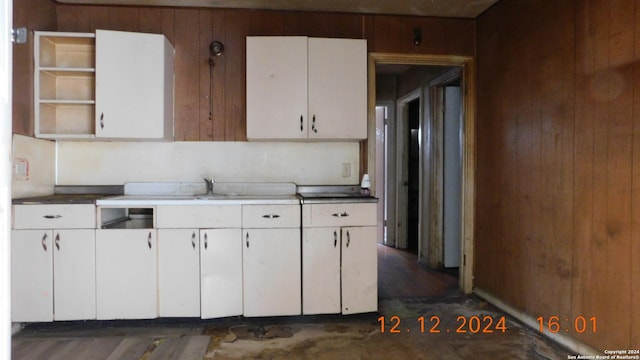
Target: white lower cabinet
179, 272
321, 271
126, 274
271, 272
31, 275
359, 270
339, 258
53, 275
74, 275
220, 273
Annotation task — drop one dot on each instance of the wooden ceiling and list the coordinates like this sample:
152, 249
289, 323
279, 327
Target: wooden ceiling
439, 8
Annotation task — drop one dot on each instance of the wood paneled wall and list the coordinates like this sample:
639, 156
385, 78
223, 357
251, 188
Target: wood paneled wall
191, 30
558, 162
43, 19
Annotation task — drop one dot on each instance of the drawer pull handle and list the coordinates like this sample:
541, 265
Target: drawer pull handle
102, 121
348, 238
301, 127
44, 242
52, 216
193, 240
206, 242
335, 239
271, 216
313, 125
247, 240
149, 240
342, 214
57, 241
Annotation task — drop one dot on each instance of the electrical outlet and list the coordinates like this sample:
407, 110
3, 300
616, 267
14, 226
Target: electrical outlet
346, 170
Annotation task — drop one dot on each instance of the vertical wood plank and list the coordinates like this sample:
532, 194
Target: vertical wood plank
235, 82
187, 80
635, 186
206, 64
218, 82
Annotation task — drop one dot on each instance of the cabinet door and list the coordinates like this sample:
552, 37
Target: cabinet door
179, 273
220, 272
337, 88
31, 276
277, 87
359, 270
133, 83
271, 272
74, 274
321, 271
126, 275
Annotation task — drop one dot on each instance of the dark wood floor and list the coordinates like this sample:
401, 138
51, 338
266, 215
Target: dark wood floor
401, 276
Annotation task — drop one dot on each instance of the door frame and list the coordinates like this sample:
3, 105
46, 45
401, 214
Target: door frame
436, 222
467, 68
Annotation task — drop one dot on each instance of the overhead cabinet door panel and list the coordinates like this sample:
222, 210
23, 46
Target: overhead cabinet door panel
277, 87
337, 88
130, 84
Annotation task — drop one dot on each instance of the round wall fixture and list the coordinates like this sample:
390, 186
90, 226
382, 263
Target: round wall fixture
216, 48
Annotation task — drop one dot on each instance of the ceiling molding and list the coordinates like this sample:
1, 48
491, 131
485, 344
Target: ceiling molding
438, 8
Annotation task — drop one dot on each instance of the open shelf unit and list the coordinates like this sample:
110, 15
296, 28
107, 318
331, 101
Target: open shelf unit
64, 85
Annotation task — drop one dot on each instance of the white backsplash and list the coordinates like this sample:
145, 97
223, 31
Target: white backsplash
111, 163
36, 160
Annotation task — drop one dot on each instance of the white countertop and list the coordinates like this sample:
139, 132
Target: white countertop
155, 200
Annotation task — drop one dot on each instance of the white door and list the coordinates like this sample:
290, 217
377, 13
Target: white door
126, 275
321, 271
220, 272
130, 84
6, 63
271, 272
277, 87
359, 270
452, 197
74, 270
31, 275
179, 273
337, 88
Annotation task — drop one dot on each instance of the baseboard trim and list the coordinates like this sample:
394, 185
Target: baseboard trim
570, 343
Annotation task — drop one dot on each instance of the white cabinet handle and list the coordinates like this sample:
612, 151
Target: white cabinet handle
44, 242
342, 214
193, 240
348, 238
206, 243
271, 216
57, 241
149, 240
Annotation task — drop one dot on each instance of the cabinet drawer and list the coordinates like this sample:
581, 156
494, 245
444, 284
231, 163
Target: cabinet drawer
270, 216
208, 216
339, 214
54, 216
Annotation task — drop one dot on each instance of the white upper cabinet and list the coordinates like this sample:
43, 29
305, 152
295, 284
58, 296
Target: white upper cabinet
134, 85
302, 88
111, 84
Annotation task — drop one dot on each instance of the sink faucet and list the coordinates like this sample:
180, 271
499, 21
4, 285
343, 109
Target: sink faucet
209, 183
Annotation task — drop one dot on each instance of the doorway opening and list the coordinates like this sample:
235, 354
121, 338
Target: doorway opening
420, 213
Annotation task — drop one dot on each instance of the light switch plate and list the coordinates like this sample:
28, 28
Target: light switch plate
346, 170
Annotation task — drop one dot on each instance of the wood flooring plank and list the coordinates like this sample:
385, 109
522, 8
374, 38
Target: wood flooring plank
130, 349
100, 348
181, 348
